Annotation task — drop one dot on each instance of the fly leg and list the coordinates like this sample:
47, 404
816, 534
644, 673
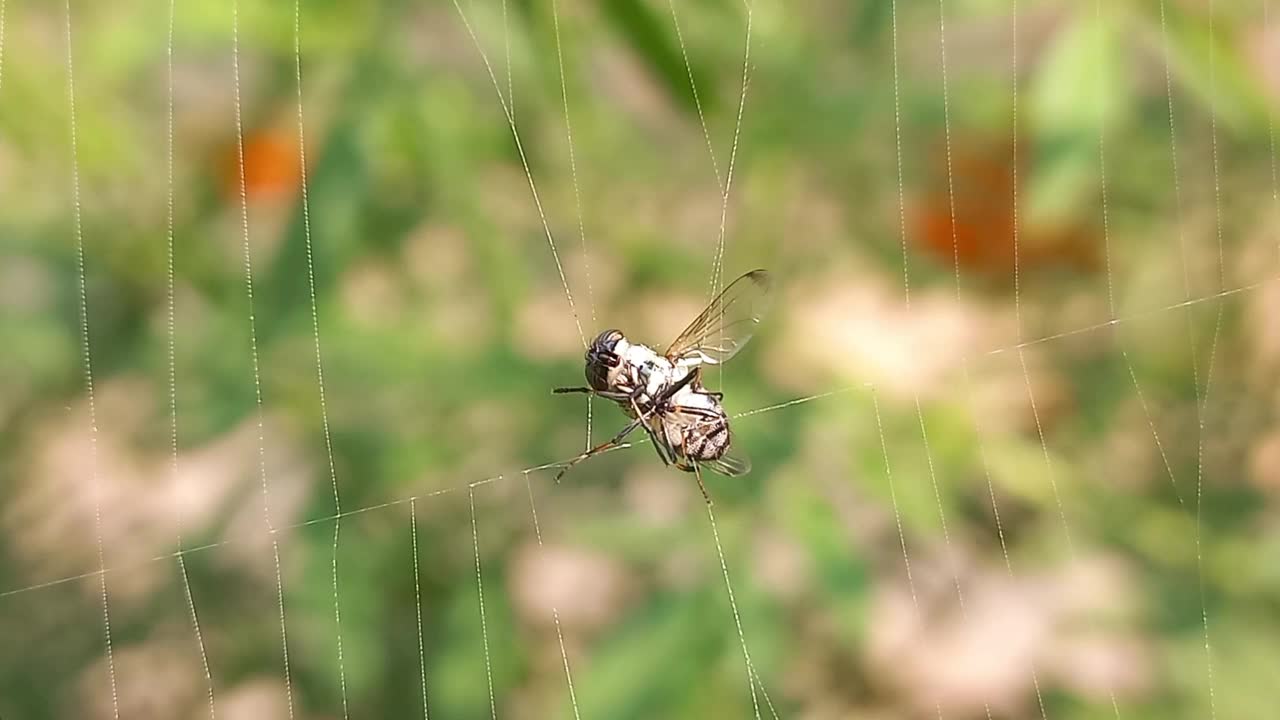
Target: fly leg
639, 421
697, 472
675, 388
659, 443
615, 440
615, 396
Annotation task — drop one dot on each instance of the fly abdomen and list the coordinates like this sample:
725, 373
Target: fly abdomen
708, 440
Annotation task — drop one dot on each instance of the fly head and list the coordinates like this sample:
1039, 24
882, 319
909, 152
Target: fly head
602, 357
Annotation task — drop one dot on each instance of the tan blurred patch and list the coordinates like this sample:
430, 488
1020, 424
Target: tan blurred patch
1264, 463
620, 81
52, 519
545, 329
857, 328
1002, 392
506, 201
1094, 666
254, 699
1264, 49
26, 285
464, 321
1071, 625
489, 429
594, 279
1128, 456
153, 680
684, 212
589, 589
1083, 308
267, 225
457, 310
781, 565
1262, 333
371, 293
815, 222
289, 477
690, 212
1098, 650
433, 40
657, 318
436, 257
685, 568
655, 494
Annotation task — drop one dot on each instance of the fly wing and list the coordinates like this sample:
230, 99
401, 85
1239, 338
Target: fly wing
730, 465
726, 325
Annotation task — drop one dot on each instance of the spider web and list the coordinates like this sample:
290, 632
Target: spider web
1066, 510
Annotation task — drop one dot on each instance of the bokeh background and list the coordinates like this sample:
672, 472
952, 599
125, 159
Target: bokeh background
1039, 477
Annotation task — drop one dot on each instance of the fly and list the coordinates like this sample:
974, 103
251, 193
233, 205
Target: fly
663, 393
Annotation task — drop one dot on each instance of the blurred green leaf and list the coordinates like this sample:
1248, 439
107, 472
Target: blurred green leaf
1080, 95
1214, 69
653, 39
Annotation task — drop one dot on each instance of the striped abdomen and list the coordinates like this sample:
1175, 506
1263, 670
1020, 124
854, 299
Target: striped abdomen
708, 439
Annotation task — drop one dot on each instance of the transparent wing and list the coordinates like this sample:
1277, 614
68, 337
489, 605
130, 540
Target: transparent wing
731, 465
728, 322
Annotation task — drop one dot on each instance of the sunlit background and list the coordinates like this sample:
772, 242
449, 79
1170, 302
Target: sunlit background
1025, 261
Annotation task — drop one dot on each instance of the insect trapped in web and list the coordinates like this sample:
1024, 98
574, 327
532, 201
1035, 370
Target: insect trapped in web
663, 393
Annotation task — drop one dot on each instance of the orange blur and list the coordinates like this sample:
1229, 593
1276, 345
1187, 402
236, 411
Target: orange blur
979, 237
271, 167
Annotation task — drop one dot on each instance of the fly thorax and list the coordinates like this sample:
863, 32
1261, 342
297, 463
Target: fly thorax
648, 369
659, 376
658, 379
637, 355
687, 397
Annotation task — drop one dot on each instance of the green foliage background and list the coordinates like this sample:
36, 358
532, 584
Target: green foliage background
1146, 517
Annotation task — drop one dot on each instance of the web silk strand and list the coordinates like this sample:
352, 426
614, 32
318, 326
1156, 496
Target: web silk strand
253, 354
87, 359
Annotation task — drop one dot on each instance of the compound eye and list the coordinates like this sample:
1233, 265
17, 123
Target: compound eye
597, 372
602, 357
606, 341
